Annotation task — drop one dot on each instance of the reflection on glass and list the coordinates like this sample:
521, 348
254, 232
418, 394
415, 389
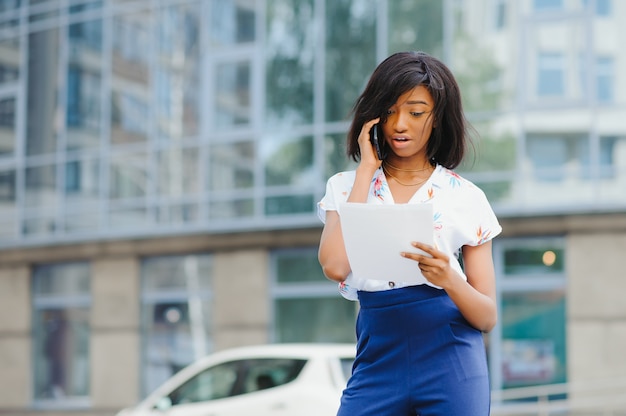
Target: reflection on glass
178, 172
177, 75
130, 81
84, 81
129, 176
10, 56
65, 279
415, 26
42, 109
491, 162
7, 193
559, 157
129, 218
231, 166
41, 185
82, 181
8, 229
168, 272
350, 53
232, 98
61, 331
298, 266
177, 214
613, 159
605, 83
538, 260
552, 64
7, 5
289, 161
479, 76
81, 222
533, 339
232, 22
175, 314
40, 225
7, 126
235, 208
62, 365
328, 319
336, 159
289, 204
83, 108
289, 62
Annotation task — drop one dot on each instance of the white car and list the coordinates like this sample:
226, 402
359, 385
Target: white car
276, 379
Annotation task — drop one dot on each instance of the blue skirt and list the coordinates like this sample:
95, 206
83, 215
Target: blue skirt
416, 355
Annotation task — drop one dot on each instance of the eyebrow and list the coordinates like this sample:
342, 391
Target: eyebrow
416, 102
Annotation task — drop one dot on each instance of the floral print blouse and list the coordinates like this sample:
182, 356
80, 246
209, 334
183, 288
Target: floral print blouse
462, 216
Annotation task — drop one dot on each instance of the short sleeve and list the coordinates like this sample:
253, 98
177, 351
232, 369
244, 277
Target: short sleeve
337, 189
327, 203
482, 222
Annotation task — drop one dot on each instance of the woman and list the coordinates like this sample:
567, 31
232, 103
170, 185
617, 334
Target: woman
420, 349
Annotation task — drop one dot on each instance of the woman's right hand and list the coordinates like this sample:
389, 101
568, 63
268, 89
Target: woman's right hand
369, 158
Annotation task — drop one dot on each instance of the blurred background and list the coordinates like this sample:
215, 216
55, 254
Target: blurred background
160, 162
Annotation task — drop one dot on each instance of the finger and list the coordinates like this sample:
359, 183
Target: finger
368, 125
425, 248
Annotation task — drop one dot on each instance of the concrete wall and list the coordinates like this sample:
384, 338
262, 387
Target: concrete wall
115, 332
596, 306
241, 298
15, 337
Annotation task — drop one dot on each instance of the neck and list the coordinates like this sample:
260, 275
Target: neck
407, 167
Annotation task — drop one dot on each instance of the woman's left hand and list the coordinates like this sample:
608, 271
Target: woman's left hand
434, 265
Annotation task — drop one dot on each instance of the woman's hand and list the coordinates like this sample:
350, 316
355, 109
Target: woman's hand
369, 158
476, 297
434, 265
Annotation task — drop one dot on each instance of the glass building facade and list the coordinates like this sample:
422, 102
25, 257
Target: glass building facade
136, 117
124, 119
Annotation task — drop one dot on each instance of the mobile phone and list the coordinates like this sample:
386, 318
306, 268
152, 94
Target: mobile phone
374, 135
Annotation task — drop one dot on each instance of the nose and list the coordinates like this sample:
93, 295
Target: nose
398, 122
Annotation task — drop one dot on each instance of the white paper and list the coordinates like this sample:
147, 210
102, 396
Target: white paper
374, 236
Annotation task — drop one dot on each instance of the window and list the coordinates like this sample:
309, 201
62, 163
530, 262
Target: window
176, 292
612, 159
233, 94
234, 378
302, 293
604, 79
350, 37
551, 75
9, 59
499, 11
557, 157
602, 7
61, 307
547, 4
41, 185
232, 22
289, 67
7, 125
529, 341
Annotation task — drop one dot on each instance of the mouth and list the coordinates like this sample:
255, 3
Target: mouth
400, 139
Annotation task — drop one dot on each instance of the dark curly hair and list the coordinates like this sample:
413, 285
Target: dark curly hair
400, 73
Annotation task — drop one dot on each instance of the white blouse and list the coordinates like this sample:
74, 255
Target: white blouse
462, 216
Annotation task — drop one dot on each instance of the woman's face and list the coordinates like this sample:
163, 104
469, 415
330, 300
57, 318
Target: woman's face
409, 123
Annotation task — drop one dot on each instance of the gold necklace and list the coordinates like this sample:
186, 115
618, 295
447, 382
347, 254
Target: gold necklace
402, 183
406, 170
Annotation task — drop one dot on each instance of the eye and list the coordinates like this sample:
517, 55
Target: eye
416, 114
